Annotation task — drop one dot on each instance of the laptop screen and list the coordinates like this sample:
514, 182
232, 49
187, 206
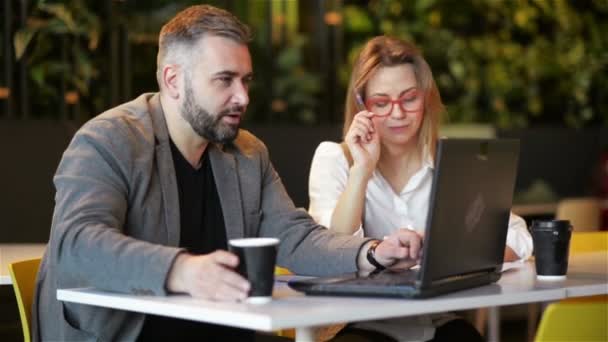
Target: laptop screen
470, 205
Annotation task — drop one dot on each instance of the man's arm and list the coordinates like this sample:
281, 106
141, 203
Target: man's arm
88, 240
306, 247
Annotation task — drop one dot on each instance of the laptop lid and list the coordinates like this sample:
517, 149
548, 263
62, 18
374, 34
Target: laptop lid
469, 210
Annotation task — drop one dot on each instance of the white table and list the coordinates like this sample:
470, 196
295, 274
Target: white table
586, 276
11, 252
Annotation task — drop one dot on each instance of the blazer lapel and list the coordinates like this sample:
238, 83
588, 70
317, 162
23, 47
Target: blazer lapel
168, 184
166, 172
226, 179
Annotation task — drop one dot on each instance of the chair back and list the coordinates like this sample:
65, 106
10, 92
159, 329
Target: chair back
580, 318
574, 321
584, 213
23, 275
588, 242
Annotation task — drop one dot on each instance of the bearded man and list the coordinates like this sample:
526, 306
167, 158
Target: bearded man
149, 192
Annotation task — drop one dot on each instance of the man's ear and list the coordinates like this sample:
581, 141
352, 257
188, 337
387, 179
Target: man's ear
171, 79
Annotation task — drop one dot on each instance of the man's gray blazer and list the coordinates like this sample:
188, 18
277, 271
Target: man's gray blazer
116, 223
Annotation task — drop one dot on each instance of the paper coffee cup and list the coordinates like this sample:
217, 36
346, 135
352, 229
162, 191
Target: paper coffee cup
257, 260
551, 248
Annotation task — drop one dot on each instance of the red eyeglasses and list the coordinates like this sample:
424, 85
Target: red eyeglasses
411, 101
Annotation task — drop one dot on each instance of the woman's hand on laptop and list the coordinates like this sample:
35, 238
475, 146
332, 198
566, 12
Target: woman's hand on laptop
400, 250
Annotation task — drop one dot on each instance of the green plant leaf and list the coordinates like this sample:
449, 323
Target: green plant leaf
22, 40
62, 13
357, 20
93, 38
56, 26
289, 58
37, 74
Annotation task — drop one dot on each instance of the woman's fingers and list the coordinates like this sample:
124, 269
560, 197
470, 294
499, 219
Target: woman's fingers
366, 121
359, 132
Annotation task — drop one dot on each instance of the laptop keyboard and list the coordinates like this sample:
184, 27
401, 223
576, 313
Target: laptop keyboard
386, 278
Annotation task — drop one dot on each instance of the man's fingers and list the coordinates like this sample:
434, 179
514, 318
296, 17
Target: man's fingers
225, 258
392, 239
403, 246
227, 292
213, 276
224, 272
221, 283
412, 240
220, 291
403, 265
393, 251
232, 286
235, 280
415, 247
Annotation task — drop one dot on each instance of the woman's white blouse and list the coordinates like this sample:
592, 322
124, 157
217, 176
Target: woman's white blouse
385, 210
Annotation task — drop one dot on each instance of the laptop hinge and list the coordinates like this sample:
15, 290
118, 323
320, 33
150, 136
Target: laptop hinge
461, 277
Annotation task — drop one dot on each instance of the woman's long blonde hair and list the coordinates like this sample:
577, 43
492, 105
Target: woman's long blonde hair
384, 51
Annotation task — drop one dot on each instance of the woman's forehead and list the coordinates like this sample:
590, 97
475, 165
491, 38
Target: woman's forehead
392, 79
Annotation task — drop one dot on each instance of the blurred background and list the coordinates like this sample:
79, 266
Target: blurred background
536, 70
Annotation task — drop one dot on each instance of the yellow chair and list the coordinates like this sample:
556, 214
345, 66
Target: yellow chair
23, 275
278, 270
586, 242
578, 319
574, 321
285, 332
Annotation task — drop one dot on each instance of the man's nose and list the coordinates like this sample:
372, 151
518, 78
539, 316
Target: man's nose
241, 94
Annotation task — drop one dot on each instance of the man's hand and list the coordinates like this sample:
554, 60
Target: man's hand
400, 250
209, 276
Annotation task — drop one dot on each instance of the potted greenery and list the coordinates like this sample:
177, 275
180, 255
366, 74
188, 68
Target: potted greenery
57, 45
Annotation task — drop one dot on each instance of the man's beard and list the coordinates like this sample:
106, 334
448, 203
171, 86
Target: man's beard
211, 127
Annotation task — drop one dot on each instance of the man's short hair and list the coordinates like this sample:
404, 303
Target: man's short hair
187, 28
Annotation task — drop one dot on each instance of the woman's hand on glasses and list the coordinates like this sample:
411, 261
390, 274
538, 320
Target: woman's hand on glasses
364, 143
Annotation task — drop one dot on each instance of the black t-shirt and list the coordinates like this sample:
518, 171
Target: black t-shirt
202, 222
202, 231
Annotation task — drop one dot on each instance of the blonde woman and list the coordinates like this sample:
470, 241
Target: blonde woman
379, 180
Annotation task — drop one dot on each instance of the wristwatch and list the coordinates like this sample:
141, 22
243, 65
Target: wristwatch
371, 256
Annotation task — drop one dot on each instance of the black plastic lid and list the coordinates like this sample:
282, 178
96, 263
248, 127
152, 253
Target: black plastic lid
551, 224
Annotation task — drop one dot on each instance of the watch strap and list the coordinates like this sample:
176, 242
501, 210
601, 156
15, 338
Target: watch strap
371, 255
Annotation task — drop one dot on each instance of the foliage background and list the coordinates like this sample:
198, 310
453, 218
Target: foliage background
510, 63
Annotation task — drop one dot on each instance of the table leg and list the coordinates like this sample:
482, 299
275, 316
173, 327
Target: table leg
481, 320
305, 334
494, 324
533, 309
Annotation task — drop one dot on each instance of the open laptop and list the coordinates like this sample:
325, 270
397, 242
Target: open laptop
468, 218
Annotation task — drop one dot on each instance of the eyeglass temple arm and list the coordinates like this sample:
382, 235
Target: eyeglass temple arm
359, 100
